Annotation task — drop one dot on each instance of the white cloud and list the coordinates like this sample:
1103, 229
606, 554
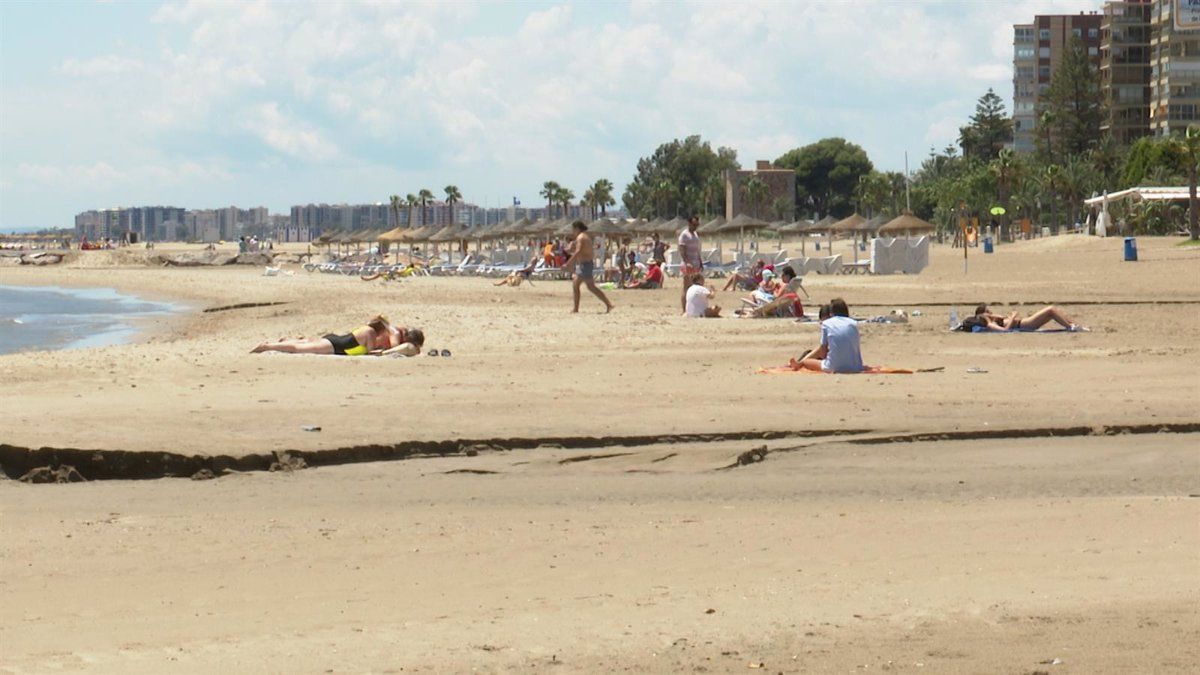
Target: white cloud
288, 135
429, 93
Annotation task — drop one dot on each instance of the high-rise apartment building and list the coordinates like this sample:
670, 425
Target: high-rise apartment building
1174, 65
1125, 68
1038, 48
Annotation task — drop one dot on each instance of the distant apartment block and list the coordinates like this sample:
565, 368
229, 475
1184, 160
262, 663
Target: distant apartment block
781, 184
1174, 65
1125, 68
1038, 48
169, 223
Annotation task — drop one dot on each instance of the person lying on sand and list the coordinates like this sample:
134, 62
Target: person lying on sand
375, 338
696, 299
515, 277
839, 351
985, 320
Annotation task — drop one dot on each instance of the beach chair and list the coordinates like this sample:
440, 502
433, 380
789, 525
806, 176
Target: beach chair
673, 264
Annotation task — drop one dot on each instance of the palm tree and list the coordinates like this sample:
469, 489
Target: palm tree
589, 201
565, 197
424, 196
1075, 180
1189, 144
602, 193
1049, 181
411, 201
1004, 168
550, 192
396, 202
453, 196
755, 190
713, 187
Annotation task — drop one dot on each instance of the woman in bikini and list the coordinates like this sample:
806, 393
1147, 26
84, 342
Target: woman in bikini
376, 337
1014, 322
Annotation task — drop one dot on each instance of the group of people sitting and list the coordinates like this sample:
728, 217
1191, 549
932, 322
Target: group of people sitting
377, 337
769, 297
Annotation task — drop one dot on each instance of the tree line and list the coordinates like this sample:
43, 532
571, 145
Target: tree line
1073, 159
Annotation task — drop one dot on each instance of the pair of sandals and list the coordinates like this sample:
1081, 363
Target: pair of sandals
434, 352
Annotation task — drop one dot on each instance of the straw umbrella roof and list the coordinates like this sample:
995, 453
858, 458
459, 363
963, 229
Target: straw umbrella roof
875, 223
743, 222
672, 226
794, 227
906, 222
850, 223
713, 225
513, 228
606, 227
540, 227
494, 231
821, 225
449, 233
776, 225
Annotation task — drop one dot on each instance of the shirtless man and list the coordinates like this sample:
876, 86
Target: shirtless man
690, 259
583, 257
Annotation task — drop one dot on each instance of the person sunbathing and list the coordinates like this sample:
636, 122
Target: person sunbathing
653, 278
377, 337
840, 349
748, 281
984, 319
516, 277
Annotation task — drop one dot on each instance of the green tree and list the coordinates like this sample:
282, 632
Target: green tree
411, 201
602, 195
1189, 146
754, 191
564, 196
396, 201
783, 209
1075, 105
1149, 154
1005, 170
453, 196
990, 128
827, 174
425, 196
550, 191
672, 181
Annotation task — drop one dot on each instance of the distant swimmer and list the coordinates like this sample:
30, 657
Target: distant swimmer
377, 337
583, 257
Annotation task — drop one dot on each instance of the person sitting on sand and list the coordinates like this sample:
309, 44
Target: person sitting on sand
749, 280
767, 289
785, 304
697, 299
839, 351
653, 278
985, 320
377, 338
516, 277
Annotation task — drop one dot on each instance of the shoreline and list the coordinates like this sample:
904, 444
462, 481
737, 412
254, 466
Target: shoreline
124, 328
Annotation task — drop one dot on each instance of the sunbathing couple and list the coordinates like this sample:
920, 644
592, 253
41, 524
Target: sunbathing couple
377, 337
984, 320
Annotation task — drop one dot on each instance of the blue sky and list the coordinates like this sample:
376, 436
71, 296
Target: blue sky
204, 104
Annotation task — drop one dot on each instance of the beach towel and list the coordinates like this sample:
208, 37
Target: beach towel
794, 367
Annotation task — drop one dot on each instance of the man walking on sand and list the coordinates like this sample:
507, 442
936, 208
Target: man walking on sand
689, 257
583, 257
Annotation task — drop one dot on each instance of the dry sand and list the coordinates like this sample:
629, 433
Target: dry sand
948, 556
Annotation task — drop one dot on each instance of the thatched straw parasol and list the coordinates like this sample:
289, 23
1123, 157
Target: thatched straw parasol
742, 223
712, 226
906, 223
673, 226
850, 223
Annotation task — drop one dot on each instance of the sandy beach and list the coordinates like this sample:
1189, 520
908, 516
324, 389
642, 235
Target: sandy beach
951, 521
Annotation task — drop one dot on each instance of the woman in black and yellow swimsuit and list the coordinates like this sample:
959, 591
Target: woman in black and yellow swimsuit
374, 338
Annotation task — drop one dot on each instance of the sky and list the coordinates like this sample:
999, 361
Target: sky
208, 104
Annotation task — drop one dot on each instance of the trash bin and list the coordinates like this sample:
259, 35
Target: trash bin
987, 244
1130, 249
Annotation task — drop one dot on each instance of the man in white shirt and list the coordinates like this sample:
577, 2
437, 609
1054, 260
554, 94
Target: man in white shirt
840, 350
689, 256
695, 299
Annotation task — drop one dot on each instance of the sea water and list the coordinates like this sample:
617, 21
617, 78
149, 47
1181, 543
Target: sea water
48, 317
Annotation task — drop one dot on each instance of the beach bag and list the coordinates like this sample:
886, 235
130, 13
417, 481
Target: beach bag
972, 324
